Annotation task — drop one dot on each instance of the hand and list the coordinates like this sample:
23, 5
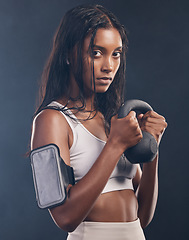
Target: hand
153, 123
125, 132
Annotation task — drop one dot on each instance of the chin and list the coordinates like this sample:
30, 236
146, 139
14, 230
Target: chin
102, 90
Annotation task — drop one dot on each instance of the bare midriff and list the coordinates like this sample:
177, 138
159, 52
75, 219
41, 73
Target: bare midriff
116, 206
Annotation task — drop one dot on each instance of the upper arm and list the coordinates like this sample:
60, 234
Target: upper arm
50, 126
136, 179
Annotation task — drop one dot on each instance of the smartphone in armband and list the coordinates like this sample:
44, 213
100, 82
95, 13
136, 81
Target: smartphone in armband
51, 176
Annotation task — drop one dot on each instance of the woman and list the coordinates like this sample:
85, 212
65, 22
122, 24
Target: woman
84, 79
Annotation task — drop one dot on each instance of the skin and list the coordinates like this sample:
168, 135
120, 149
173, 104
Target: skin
117, 206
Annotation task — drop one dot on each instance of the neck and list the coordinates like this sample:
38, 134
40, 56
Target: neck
74, 101
74, 94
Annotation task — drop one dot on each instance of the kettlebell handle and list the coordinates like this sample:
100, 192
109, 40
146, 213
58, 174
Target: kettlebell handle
146, 149
133, 105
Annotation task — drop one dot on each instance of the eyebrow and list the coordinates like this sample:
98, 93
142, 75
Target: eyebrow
103, 48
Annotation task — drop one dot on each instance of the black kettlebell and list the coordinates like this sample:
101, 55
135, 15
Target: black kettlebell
146, 149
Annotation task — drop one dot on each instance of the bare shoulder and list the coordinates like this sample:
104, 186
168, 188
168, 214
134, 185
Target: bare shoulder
50, 126
49, 118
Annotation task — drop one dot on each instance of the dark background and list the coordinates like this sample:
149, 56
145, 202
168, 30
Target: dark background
157, 72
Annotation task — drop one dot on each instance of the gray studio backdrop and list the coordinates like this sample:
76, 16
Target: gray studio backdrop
157, 72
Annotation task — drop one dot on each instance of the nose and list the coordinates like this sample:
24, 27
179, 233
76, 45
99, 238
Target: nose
107, 65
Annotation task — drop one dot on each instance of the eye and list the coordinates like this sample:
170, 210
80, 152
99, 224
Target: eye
117, 54
97, 53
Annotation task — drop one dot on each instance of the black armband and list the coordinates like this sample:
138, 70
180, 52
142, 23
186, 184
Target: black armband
51, 176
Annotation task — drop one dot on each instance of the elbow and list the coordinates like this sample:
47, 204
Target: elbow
145, 221
145, 215
66, 224
64, 218
143, 224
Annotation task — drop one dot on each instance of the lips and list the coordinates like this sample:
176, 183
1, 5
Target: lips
104, 81
105, 78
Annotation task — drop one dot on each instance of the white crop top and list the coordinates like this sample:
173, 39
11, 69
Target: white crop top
85, 150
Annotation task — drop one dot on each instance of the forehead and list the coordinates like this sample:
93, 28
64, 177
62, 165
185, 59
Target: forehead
107, 38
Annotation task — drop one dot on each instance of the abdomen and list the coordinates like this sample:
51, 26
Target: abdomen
116, 206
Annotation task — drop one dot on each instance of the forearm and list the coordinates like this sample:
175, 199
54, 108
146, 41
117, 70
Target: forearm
147, 192
83, 195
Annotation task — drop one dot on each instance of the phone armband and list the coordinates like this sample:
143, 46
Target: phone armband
51, 176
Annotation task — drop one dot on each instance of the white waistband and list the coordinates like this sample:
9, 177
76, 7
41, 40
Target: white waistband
108, 231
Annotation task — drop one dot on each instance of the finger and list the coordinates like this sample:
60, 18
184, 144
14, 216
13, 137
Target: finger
154, 123
155, 126
153, 114
140, 116
154, 120
114, 118
132, 114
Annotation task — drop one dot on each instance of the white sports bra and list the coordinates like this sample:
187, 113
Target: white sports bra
85, 150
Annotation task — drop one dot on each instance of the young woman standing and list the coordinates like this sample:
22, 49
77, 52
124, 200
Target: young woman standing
84, 78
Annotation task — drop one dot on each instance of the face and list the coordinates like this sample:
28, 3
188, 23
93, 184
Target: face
106, 55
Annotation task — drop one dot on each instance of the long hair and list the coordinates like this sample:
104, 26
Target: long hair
75, 26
